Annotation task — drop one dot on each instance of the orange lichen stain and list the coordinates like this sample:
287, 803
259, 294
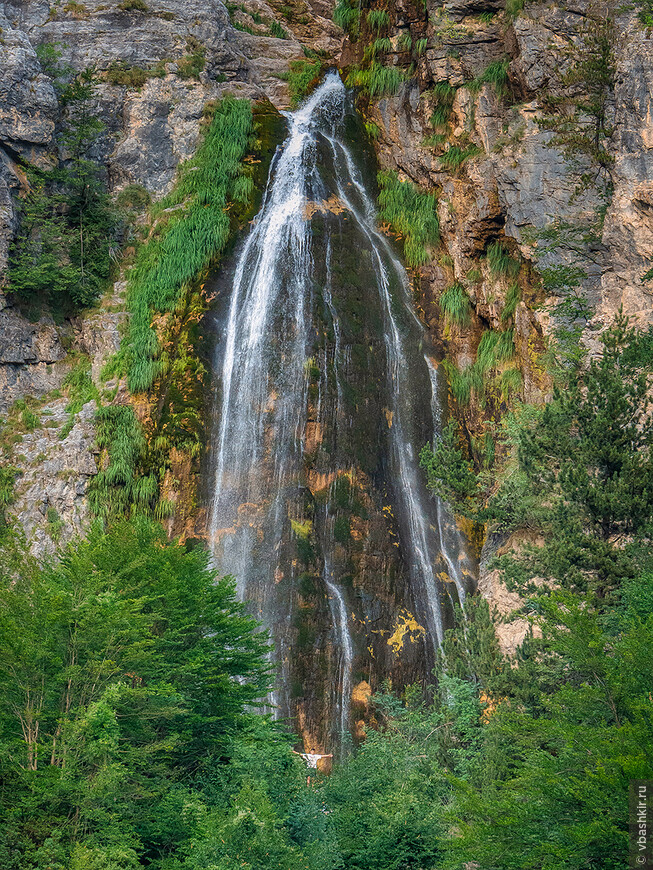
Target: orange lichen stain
406, 628
490, 706
313, 437
332, 204
388, 416
361, 693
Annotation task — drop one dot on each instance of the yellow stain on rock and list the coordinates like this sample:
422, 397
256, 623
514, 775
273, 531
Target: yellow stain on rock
406, 628
361, 693
332, 204
302, 529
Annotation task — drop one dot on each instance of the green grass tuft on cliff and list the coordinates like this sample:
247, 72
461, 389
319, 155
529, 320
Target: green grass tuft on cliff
412, 213
455, 305
376, 80
302, 76
191, 230
121, 486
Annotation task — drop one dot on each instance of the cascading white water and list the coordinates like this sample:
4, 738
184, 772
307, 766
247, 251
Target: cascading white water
265, 357
446, 523
408, 484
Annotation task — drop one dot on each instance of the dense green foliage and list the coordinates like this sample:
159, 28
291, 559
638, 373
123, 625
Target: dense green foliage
411, 213
487, 375
126, 673
376, 80
61, 255
347, 15
537, 751
192, 229
442, 95
121, 487
455, 156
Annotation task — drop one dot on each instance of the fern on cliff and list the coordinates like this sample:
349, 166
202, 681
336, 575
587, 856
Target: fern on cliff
193, 228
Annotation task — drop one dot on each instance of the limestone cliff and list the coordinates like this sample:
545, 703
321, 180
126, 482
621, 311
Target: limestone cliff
503, 183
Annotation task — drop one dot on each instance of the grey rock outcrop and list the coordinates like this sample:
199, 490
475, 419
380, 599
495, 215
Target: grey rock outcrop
51, 501
31, 358
28, 103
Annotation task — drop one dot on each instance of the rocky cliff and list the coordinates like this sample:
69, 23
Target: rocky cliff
531, 216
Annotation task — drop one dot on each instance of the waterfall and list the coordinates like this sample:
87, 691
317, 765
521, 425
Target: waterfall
295, 442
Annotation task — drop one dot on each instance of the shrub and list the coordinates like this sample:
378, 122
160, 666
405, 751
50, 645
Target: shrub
347, 15
435, 140
420, 46
8, 475
133, 6
645, 13
191, 65
510, 382
61, 253
500, 261
277, 30
512, 300
411, 213
455, 305
495, 74
373, 130
121, 486
121, 73
29, 419
79, 386
77, 10
133, 197
381, 45
443, 95
494, 347
514, 7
